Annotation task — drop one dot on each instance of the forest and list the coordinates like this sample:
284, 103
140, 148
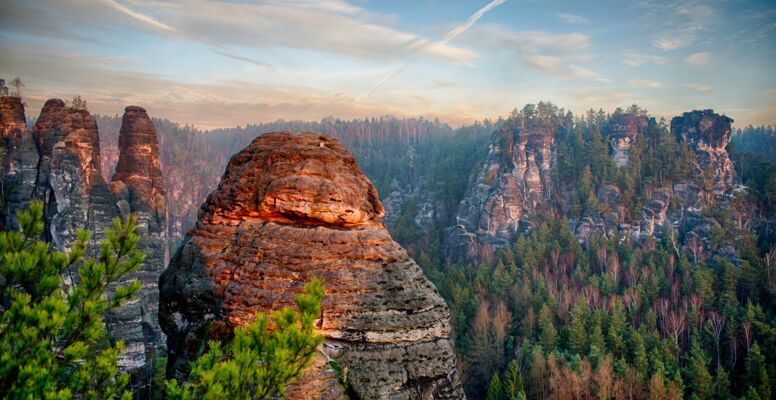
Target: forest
553, 316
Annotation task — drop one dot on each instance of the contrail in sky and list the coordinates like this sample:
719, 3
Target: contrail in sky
138, 16
469, 22
454, 33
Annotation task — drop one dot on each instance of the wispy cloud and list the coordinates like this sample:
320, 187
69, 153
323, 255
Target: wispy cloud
699, 87
678, 23
701, 59
206, 104
452, 34
531, 41
560, 66
646, 83
241, 58
573, 19
635, 59
668, 42
333, 27
549, 52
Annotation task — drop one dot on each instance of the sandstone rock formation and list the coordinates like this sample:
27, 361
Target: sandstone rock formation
654, 214
295, 206
138, 188
607, 225
19, 158
69, 182
623, 129
708, 133
514, 179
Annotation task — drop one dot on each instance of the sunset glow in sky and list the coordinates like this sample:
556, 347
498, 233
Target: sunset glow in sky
227, 63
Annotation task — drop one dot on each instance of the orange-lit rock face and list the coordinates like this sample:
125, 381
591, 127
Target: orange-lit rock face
18, 159
291, 207
307, 178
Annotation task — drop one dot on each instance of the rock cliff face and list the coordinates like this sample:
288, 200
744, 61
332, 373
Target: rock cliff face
708, 133
19, 158
69, 182
295, 206
514, 179
623, 129
138, 188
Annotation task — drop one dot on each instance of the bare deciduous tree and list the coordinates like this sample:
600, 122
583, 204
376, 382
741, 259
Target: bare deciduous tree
768, 263
17, 85
716, 322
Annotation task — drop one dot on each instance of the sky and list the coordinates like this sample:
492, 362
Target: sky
233, 62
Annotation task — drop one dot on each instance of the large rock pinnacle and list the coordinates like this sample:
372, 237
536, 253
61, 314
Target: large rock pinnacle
18, 161
708, 133
138, 188
69, 183
291, 207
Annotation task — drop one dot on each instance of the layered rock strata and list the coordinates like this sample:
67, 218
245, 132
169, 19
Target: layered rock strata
291, 207
707, 134
69, 182
514, 179
138, 188
19, 161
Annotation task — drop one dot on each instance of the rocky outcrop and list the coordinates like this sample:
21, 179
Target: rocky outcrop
291, 207
69, 182
707, 133
19, 158
138, 188
513, 181
609, 223
622, 132
654, 214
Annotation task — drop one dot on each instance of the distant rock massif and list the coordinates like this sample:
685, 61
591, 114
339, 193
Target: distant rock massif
708, 133
59, 164
514, 180
291, 207
623, 130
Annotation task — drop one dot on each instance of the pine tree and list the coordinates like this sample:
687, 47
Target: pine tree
722, 385
757, 372
547, 332
615, 333
261, 359
657, 389
494, 388
513, 385
53, 342
597, 344
701, 384
640, 360
578, 330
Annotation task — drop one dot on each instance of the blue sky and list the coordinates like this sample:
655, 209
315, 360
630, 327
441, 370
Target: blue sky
226, 63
